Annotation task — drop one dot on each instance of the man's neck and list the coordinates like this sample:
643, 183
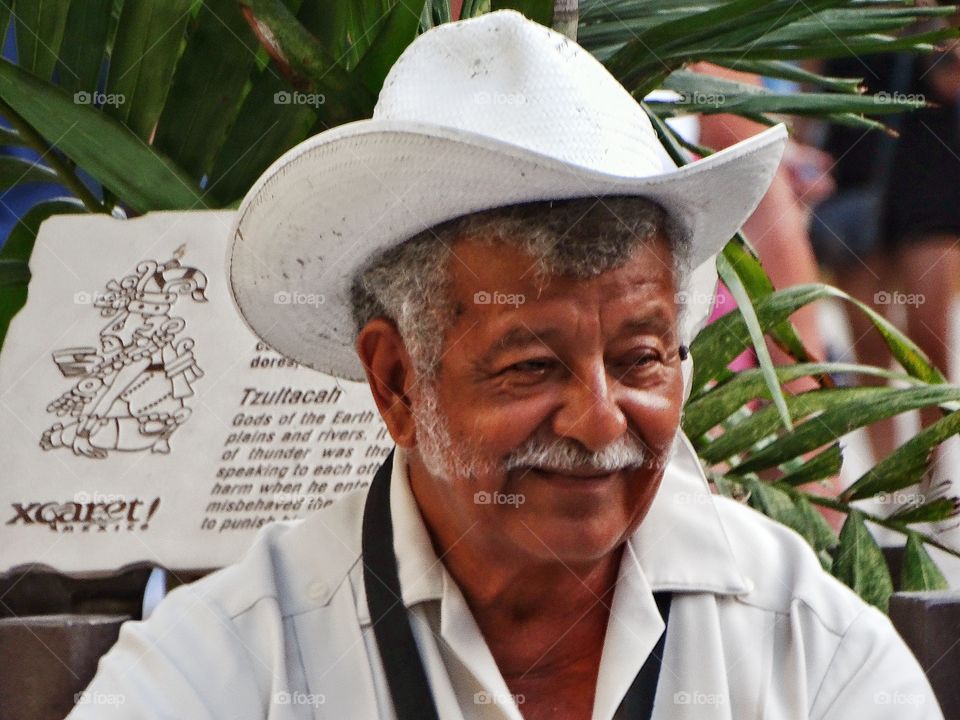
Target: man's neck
537, 617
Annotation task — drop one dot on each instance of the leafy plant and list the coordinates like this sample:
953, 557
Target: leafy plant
181, 104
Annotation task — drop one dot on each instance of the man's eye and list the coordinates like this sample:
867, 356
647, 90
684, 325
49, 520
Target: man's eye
640, 363
531, 367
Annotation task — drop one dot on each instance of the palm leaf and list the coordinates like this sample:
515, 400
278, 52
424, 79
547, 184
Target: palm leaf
906, 464
81, 55
99, 144
823, 465
264, 129
206, 88
724, 339
40, 25
739, 292
707, 411
860, 563
397, 31
919, 571
764, 423
540, 11
143, 59
836, 421
308, 65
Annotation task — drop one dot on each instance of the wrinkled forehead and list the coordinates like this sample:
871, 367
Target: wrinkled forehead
655, 257
575, 252
494, 283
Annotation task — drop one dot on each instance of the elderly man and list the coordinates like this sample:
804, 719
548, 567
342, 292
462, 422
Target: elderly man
501, 251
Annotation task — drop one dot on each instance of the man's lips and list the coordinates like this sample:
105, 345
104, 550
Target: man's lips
584, 473
575, 479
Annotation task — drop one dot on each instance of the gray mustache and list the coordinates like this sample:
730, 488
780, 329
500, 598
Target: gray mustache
564, 455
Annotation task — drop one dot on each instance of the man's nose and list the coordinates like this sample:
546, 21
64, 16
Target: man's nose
590, 412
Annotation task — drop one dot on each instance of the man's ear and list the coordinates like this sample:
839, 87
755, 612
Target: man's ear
390, 375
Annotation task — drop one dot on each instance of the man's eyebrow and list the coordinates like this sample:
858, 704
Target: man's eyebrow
523, 336
518, 337
658, 324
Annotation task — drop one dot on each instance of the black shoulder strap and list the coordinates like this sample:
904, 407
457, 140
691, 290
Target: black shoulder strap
638, 702
406, 675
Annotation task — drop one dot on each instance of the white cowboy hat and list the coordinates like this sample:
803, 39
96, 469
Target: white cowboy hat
476, 114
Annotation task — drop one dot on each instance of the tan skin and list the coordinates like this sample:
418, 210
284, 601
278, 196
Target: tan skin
590, 360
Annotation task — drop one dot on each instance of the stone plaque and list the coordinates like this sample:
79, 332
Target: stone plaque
142, 421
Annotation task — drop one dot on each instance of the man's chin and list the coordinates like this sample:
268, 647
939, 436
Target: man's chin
578, 520
577, 551
568, 540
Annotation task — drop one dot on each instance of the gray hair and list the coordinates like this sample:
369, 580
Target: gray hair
581, 238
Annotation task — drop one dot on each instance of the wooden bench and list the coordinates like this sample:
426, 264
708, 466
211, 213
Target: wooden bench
930, 624
53, 630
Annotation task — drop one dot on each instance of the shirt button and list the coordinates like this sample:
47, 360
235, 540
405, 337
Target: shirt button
316, 590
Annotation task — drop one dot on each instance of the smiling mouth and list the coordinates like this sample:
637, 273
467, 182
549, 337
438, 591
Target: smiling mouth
577, 477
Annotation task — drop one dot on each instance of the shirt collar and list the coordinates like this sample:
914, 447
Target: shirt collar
681, 545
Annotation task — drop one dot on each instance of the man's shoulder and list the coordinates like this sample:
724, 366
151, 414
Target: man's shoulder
220, 646
295, 566
785, 573
855, 661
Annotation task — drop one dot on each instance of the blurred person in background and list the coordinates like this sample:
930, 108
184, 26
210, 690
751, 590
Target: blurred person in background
778, 231
890, 234
778, 227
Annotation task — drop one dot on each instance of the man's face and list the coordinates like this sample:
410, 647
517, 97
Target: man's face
558, 400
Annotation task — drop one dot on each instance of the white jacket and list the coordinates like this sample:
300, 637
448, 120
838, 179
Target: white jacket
756, 630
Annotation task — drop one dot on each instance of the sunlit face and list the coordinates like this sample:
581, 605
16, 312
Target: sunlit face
589, 366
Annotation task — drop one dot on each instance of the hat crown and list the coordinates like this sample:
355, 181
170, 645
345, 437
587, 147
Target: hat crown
505, 77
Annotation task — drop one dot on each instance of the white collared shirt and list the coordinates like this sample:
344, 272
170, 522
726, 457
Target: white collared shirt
757, 629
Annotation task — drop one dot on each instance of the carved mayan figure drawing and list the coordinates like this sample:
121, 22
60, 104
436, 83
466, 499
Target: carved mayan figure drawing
130, 393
